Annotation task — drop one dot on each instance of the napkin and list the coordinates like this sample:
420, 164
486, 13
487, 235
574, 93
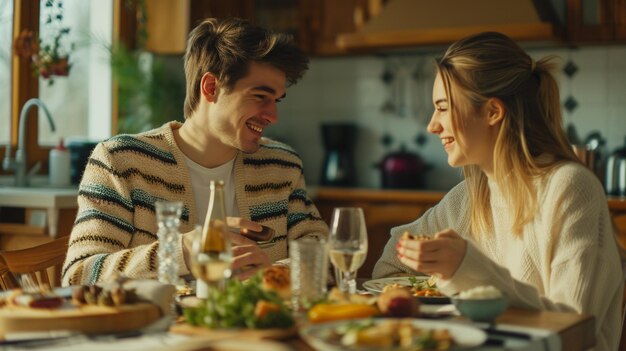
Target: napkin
152, 291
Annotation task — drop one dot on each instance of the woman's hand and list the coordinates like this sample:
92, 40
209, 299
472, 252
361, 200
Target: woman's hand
440, 256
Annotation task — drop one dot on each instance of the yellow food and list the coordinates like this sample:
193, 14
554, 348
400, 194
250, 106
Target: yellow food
277, 278
332, 312
262, 308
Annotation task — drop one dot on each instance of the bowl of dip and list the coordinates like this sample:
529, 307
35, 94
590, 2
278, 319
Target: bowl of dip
481, 304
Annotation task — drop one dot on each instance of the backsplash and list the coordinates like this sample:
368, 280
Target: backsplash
359, 90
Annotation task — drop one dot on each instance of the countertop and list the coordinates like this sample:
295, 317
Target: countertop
616, 203
58, 198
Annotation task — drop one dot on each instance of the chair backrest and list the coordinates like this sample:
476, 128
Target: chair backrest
41, 263
619, 222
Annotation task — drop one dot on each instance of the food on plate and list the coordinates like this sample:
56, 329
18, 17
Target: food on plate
325, 312
276, 278
398, 302
263, 308
419, 287
241, 305
337, 296
394, 333
115, 295
38, 299
481, 292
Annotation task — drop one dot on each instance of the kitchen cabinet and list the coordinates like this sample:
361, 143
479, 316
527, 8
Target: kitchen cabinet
596, 21
385, 209
313, 23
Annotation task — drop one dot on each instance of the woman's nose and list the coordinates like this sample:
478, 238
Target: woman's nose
434, 126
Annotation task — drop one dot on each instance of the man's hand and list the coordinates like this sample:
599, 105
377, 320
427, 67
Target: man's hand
243, 224
187, 247
440, 256
248, 257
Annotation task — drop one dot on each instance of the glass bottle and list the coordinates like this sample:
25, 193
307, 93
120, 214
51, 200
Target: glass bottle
168, 218
211, 250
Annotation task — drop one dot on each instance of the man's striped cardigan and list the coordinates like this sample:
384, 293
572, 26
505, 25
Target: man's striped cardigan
115, 228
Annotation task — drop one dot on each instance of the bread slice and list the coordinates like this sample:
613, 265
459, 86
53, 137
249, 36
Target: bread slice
408, 236
277, 278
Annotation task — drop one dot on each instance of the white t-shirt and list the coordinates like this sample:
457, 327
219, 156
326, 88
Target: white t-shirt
201, 181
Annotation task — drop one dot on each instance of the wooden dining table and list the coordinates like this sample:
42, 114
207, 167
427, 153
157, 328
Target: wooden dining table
577, 331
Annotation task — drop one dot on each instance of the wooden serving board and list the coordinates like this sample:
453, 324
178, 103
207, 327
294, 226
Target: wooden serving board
254, 334
87, 319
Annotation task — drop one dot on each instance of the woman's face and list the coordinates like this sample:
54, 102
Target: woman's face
473, 141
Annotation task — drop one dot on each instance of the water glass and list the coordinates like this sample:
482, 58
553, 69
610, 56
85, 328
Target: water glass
348, 245
309, 271
168, 218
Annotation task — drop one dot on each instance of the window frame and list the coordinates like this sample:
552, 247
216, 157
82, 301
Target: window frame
25, 86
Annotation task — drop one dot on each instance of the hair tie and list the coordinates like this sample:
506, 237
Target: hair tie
533, 65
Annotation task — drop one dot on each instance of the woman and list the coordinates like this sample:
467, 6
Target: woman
529, 218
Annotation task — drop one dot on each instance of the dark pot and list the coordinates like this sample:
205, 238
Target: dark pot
402, 170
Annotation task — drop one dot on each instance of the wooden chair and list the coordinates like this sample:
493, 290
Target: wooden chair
619, 222
41, 263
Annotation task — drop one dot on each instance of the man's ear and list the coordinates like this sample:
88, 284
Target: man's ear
208, 86
495, 111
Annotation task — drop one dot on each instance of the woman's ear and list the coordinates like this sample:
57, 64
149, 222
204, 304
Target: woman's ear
495, 111
208, 86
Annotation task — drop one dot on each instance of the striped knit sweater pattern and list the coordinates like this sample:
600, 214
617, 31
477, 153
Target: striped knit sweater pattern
116, 227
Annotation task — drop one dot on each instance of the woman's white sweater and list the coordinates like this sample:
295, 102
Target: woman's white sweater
565, 260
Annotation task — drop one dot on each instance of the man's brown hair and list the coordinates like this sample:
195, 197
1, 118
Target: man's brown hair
226, 47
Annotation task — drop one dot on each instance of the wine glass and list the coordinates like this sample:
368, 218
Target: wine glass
348, 245
210, 259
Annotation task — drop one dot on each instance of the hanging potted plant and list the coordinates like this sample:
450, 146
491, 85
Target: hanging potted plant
48, 56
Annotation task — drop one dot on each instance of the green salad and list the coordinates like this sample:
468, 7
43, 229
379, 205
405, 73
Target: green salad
241, 305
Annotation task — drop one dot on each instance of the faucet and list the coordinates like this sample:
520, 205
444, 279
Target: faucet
22, 178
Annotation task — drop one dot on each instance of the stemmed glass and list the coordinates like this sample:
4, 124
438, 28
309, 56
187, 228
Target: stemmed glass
211, 258
348, 245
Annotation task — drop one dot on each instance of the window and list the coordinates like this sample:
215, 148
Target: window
80, 103
6, 32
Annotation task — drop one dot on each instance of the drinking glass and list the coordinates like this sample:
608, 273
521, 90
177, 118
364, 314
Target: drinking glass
168, 220
348, 245
210, 262
309, 270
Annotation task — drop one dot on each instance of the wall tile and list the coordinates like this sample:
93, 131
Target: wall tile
350, 89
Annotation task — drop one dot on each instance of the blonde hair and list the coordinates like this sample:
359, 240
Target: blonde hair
491, 65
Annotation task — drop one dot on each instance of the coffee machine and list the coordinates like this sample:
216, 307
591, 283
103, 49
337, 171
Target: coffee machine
338, 168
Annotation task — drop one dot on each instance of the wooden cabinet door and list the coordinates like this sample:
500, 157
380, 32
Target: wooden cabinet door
590, 21
330, 18
619, 11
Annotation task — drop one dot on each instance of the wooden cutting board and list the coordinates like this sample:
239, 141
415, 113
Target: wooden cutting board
248, 334
88, 319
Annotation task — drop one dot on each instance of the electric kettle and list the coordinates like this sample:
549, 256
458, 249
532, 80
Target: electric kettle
615, 176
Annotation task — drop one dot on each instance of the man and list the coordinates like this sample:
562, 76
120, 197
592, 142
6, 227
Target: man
236, 74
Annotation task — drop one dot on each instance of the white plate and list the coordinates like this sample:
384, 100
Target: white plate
322, 337
377, 285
